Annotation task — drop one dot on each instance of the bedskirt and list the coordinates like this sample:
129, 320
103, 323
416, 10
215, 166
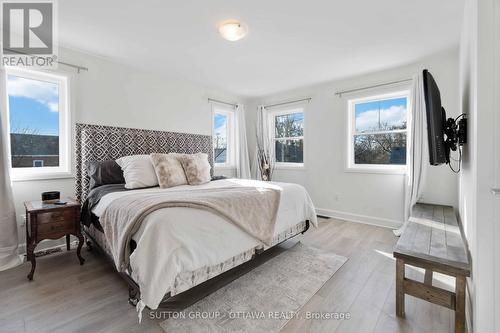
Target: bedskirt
189, 279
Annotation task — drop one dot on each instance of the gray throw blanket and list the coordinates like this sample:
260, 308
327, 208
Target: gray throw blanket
252, 209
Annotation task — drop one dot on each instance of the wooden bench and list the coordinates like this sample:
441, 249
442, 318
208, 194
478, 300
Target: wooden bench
433, 240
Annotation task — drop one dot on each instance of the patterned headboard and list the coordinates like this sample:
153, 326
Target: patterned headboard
100, 143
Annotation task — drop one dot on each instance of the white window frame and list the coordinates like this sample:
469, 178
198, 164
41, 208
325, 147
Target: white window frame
64, 168
230, 135
271, 116
351, 166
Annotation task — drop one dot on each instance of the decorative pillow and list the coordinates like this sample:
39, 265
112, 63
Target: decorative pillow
138, 171
169, 170
196, 167
104, 172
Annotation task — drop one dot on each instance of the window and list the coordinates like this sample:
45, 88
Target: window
38, 123
223, 136
287, 134
378, 133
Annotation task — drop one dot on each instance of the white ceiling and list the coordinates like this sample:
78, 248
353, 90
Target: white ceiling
291, 43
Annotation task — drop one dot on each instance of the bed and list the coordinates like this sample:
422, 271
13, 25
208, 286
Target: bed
178, 248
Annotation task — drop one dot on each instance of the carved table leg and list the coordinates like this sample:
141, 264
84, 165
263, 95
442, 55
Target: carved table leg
79, 249
31, 257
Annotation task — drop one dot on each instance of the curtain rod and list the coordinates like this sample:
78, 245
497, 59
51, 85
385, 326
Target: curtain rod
285, 103
77, 67
340, 93
222, 102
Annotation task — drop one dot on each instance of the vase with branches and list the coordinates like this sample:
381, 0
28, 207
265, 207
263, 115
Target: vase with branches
265, 160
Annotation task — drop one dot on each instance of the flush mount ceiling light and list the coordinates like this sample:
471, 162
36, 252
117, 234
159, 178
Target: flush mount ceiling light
232, 30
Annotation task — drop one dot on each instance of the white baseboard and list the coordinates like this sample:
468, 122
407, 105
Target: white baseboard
351, 217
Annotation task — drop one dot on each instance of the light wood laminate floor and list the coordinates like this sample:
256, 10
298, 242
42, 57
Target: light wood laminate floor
67, 297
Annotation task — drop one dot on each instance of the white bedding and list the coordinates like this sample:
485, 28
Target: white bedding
175, 240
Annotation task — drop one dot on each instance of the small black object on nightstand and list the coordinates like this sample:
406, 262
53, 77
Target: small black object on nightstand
51, 195
51, 220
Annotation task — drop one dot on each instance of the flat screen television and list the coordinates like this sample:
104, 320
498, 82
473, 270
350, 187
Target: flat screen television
439, 152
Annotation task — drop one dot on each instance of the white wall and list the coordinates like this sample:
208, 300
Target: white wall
114, 94
364, 197
467, 193
481, 169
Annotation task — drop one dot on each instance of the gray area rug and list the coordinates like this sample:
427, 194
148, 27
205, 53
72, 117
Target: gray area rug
264, 299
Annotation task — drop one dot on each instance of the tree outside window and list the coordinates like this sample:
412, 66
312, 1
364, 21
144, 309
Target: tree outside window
288, 136
378, 132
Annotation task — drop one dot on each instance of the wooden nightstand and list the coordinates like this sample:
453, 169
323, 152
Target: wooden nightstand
46, 220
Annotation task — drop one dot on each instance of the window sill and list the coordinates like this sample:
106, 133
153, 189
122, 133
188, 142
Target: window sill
289, 166
43, 176
224, 167
377, 170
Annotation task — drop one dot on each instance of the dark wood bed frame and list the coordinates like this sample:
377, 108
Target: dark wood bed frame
134, 291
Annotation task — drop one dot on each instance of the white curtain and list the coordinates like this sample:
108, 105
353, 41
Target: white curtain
262, 134
242, 159
8, 226
262, 137
418, 151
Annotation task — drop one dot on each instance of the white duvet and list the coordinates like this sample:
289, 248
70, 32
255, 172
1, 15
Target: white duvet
175, 240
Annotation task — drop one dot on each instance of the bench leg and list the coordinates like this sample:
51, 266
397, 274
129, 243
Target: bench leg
460, 304
428, 277
400, 294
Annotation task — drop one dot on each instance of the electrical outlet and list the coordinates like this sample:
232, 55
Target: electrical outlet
23, 220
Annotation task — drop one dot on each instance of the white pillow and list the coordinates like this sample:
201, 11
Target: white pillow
138, 171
